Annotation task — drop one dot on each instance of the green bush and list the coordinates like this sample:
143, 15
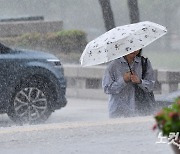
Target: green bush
63, 41
67, 40
168, 119
30, 39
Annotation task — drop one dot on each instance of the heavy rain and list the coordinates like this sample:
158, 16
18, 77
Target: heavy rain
50, 103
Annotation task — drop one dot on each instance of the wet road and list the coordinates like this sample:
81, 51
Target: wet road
75, 111
82, 127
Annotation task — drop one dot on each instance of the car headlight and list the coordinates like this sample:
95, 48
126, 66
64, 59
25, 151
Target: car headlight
56, 62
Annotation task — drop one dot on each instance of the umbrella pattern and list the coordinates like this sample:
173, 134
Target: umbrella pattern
121, 41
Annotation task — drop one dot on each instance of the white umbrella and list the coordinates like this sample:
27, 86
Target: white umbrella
121, 41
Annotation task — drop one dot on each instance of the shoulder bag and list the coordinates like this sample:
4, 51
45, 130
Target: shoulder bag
145, 101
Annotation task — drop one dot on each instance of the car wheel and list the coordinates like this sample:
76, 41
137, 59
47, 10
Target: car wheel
31, 103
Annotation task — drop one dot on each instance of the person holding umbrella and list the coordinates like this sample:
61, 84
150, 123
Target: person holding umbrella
129, 77
119, 82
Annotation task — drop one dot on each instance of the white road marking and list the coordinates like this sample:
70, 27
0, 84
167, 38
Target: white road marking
69, 125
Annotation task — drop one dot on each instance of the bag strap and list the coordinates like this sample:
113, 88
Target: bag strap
144, 66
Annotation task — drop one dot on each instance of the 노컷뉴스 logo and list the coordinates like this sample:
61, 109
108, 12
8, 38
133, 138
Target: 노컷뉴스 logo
173, 138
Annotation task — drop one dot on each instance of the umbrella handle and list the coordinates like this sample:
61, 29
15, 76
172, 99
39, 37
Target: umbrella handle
130, 68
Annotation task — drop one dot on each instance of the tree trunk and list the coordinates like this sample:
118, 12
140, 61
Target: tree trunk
107, 14
133, 11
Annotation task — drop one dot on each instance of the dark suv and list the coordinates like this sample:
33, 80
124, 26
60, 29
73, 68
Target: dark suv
32, 85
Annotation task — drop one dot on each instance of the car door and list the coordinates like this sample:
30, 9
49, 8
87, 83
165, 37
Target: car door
8, 67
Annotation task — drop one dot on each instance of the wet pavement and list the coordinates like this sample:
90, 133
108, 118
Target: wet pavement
82, 127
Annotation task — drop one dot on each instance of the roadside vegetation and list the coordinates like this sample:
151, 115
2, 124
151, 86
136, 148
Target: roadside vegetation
67, 45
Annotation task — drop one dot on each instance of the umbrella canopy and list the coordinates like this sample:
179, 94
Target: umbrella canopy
121, 41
